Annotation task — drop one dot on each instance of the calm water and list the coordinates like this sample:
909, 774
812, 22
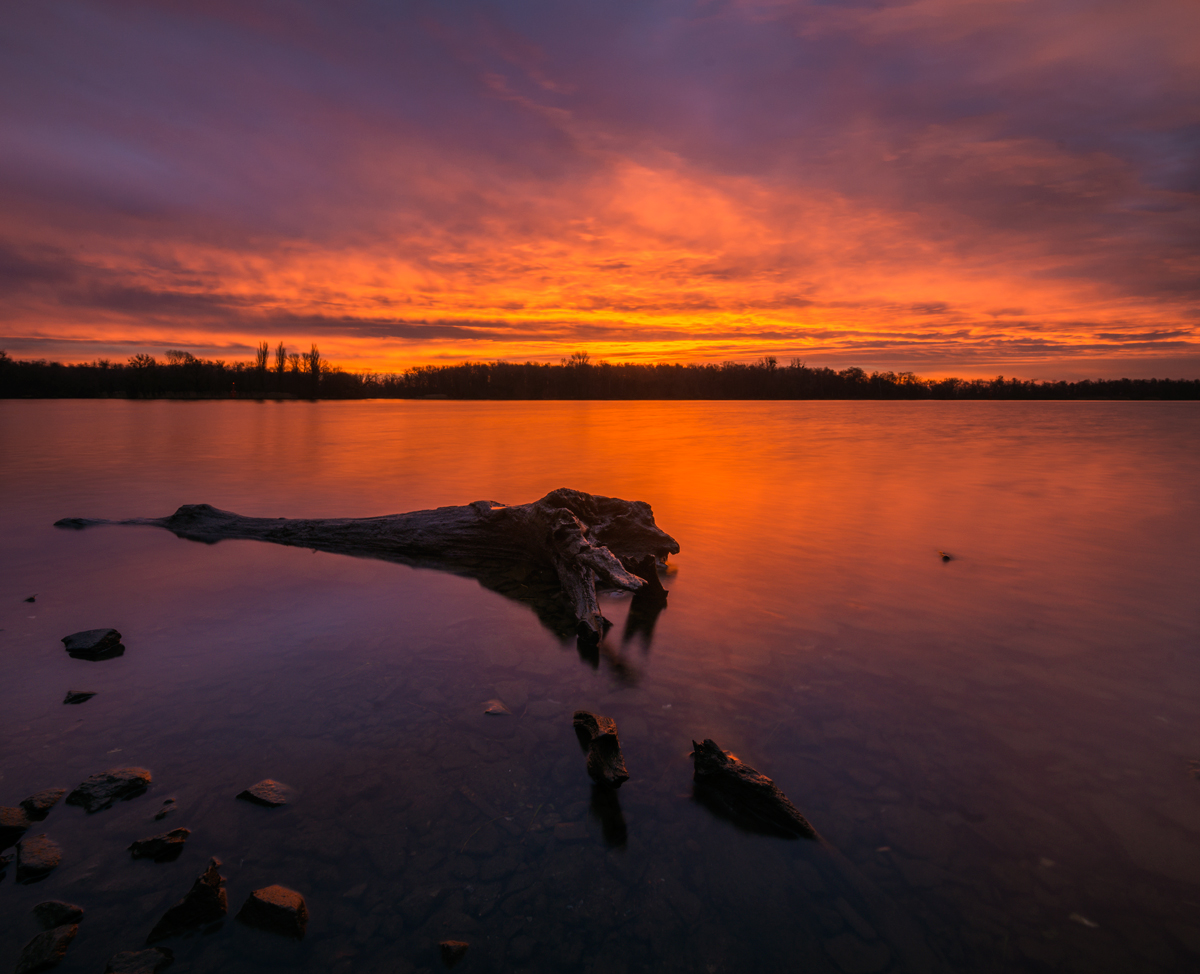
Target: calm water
996, 749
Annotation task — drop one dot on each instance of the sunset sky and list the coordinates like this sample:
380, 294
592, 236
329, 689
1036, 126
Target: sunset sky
943, 186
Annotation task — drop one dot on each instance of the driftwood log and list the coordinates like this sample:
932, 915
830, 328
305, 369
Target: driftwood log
580, 540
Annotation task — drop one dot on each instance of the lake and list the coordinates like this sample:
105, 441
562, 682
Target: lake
999, 751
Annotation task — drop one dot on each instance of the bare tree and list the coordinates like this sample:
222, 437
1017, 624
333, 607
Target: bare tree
294, 361
260, 356
280, 358
313, 361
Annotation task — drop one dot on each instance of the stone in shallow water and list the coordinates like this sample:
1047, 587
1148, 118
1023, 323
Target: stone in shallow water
37, 856
94, 644
46, 949
168, 806
149, 961
56, 913
605, 762
13, 824
738, 792
277, 909
453, 951
78, 696
496, 708
38, 806
4, 861
204, 903
101, 790
161, 848
266, 792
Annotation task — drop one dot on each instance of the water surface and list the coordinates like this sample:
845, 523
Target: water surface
996, 749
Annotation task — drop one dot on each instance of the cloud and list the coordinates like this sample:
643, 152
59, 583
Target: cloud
666, 179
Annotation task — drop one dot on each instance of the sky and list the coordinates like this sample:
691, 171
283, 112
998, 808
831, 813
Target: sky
949, 187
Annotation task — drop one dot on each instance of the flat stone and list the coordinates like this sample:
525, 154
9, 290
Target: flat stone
46, 949
56, 913
149, 961
738, 792
94, 644
605, 762
78, 696
101, 790
161, 848
496, 708
453, 951
37, 856
14, 823
168, 807
204, 903
38, 806
277, 909
267, 792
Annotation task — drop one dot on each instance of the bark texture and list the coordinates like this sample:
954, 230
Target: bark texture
580, 540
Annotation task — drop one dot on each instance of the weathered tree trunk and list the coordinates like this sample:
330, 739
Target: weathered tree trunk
585, 539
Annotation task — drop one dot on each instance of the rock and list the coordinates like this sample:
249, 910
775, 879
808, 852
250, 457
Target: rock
605, 763
38, 806
56, 913
37, 856
46, 949
277, 909
4, 861
117, 784
168, 806
453, 951
14, 822
149, 961
161, 848
266, 792
78, 696
32, 598
204, 903
94, 644
496, 708
739, 792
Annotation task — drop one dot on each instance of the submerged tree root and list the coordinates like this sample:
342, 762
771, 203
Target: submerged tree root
584, 539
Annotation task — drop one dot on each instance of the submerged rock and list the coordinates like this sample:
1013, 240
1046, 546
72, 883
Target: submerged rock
453, 951
605, 763
37, 857
101, 790
4, 861
277, 909
161, 848
78, 696
94, 644
38, 806
496, 708
148, 961
14, 823
743, 794
168, 806
267, 792
46, 949
204, 903
56, 913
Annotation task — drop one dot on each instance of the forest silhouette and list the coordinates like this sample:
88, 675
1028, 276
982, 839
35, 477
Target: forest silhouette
278, 374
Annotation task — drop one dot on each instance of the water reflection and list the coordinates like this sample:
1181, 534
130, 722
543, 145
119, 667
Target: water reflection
995, 749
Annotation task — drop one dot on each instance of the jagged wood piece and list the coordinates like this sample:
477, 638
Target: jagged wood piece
740, 793
585, 539
605, 762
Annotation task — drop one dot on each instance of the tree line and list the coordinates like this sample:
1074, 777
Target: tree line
282, 375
